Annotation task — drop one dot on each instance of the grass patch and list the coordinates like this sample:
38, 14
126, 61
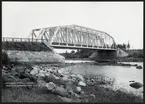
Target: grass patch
109, 95
28, 95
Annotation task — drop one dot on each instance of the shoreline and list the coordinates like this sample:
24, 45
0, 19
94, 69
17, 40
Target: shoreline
103, 63
118, 60
96, 94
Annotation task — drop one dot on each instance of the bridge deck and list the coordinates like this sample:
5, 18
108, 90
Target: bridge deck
56, 45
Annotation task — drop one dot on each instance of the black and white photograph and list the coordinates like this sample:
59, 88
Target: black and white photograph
63, 51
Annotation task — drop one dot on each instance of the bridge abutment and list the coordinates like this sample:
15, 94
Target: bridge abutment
104, 55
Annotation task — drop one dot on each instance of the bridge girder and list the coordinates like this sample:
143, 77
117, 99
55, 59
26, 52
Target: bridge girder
74, 34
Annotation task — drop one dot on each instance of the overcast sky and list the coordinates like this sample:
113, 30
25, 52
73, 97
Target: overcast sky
122, 20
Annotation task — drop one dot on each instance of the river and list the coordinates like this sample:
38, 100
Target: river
121, 74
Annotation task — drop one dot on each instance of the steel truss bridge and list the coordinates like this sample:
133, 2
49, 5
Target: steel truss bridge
70, 36
75, 37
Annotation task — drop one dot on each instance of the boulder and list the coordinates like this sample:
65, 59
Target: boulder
65, 99
73, 76
40, 75
7, 77
92, 95
78, 89
136, 85
74, 81
42, 71
77, 100
76, 95
82, 92
90, 82
60, 91
65, 77
49, 78
81, 83
70, 86
50, 86
41, 83
23, 75
50, 70
26, 80
61, 70
35, 70
19, 69
58, 74
65, 71
139, 67
55, 79
80, 77
47, 74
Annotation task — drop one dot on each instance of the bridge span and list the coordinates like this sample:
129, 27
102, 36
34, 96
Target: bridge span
74, 37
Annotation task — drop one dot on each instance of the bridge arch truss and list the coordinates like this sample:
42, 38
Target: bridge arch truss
74, 35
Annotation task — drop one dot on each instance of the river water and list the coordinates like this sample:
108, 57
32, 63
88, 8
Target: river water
121, 74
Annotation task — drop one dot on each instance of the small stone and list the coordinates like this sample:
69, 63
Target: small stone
135, 65
81, 83
131, 81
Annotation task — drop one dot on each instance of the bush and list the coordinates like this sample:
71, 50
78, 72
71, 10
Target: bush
5, 59
136, 55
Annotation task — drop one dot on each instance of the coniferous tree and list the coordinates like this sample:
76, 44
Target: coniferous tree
128, 46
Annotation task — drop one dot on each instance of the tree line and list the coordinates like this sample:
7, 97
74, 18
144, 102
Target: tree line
124, 46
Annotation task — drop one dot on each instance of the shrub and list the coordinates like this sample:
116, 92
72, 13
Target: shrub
5, 58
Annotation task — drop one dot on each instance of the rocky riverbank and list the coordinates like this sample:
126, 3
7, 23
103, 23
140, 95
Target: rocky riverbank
57, 84
129, 59
34, 57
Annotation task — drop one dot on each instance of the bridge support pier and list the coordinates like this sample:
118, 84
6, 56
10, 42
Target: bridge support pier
104, 55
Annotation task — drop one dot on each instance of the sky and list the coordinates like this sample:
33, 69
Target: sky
122, 20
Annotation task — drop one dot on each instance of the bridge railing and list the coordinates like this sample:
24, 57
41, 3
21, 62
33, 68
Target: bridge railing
5, 39
10, 39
